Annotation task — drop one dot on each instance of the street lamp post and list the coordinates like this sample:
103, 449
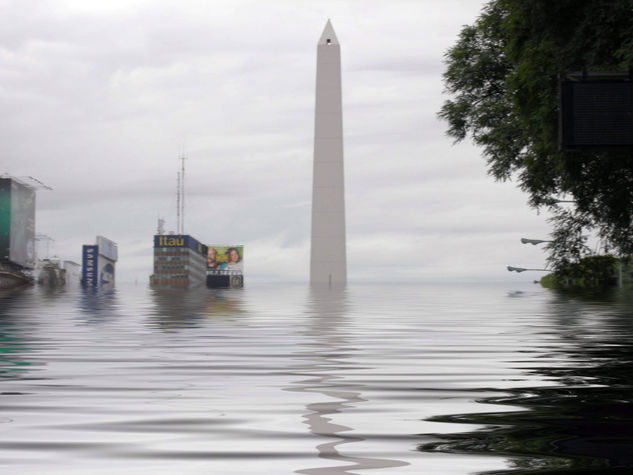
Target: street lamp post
534, 242
523, 269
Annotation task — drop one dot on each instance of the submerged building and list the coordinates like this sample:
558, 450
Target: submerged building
56, 272
327, 250
179, 261
98, 264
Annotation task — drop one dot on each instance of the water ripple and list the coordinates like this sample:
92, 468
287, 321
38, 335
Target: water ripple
281, 379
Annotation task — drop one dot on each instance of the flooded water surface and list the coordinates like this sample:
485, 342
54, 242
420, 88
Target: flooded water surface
381, 379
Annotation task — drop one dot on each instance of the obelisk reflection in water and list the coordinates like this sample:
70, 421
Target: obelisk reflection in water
327, 354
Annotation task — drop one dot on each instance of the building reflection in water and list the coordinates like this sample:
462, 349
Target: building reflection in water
182, 308
97, 305
13, 336
328, 353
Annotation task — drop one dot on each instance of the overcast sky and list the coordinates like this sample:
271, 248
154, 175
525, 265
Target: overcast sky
99, 98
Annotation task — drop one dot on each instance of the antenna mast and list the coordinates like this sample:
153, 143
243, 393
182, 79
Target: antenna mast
178, 203
180, 196
161, 226
182, 192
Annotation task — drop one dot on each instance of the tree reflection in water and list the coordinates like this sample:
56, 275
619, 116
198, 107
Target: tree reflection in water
584, 424
329, 353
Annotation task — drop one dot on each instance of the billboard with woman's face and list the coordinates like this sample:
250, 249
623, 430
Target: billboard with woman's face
225, 260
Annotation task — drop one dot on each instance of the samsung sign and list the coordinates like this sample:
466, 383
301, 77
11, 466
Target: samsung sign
89, 277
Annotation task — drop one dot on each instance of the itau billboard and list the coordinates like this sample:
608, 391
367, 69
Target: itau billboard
225, 260
180, 240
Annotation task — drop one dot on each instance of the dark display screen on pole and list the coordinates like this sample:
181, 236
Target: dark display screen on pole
596, 114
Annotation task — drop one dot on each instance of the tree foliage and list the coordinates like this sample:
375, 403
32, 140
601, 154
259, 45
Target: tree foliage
590, 273
503, 78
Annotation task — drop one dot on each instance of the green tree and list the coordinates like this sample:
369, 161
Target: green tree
503, 78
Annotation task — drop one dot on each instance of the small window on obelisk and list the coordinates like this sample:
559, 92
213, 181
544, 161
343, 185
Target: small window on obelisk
328, 41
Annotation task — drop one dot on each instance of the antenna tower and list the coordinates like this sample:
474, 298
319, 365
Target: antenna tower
180, 196
178, 203
182, 192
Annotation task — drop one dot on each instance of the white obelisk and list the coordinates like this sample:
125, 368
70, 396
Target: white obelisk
327, 253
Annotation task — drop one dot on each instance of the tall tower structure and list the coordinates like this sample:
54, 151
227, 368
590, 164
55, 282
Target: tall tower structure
327, 251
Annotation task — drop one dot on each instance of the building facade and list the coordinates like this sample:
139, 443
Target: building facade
179, 261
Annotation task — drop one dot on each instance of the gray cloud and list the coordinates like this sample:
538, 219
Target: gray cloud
99, 98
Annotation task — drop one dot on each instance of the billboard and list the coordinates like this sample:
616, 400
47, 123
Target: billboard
22, 249
107, 248
180, 240
225, 260
97, 270
105, 272
17, 223
5, 217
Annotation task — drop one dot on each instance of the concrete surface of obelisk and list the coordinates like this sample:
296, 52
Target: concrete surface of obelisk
327, 251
